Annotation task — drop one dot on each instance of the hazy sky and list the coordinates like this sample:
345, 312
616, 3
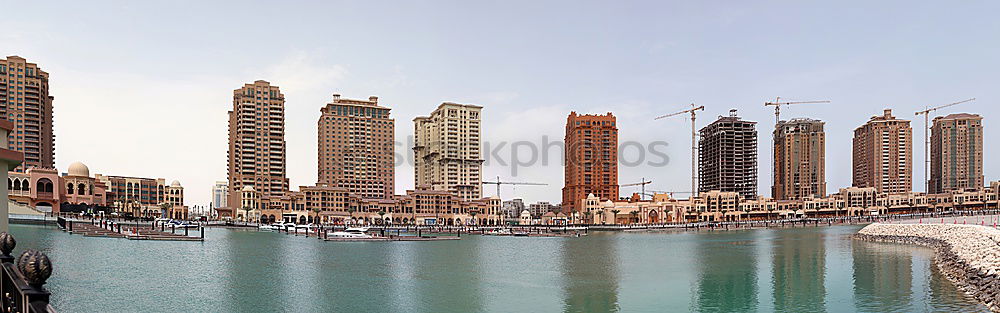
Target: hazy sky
142, 88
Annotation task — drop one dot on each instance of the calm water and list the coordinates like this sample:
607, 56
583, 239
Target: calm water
792, 270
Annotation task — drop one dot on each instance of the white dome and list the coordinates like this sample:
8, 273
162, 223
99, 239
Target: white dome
175, 184
247, 188
79, 169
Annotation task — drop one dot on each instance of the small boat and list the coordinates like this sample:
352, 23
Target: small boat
351, 233
180, 224
499, 232
271, 227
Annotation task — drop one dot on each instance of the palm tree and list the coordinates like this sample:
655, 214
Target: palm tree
350, 213
473, 213
246, 214
586, 217
381, 216
615, 212
635, 216
316, 220
601, 213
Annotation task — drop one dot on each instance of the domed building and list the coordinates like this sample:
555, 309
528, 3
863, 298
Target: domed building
47, 191
74, 191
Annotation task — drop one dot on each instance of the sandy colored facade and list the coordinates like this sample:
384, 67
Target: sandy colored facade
25, 101
799, 159
144, 197
883, 154
956, 153
336, 205
48, 191
591, 159
257, 145
727, 156
448, 150
355, 147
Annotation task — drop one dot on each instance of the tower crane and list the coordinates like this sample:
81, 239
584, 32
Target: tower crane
694, 146
498, 183
778, 103
671, 193
927, 160
642, 183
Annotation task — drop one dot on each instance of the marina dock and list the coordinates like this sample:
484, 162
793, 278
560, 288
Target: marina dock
111, 229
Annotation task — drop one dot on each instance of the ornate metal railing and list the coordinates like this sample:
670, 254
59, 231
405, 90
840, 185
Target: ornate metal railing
21, 289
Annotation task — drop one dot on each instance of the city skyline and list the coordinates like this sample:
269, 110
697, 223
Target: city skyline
187, 135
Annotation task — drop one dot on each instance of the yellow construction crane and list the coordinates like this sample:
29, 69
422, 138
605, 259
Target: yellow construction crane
498, 183
927, 160
694, 146
777, 106
643, 182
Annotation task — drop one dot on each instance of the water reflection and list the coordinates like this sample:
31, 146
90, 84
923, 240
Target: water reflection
445, 280
882, 276
727, 268
590, 274
798, 269
254, 279
794, 270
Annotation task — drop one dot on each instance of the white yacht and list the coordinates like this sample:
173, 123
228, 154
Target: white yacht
351, 232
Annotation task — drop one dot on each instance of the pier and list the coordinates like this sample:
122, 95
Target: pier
131, 231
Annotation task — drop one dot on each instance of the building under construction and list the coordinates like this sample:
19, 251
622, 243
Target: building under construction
727, 158
956, 153
799, 159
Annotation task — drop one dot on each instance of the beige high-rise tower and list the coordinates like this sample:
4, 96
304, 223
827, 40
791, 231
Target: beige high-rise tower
447, 150
355, 148
956, 153
799, 159
25, 100
256, 142
883, 154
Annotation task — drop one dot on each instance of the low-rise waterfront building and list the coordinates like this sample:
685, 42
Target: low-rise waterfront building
48, 191
327, 204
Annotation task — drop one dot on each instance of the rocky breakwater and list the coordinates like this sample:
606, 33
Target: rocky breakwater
968, 255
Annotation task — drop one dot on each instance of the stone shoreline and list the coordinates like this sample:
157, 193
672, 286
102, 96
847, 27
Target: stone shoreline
968, 255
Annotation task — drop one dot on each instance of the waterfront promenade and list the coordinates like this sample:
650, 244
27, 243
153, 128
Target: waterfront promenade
969, 255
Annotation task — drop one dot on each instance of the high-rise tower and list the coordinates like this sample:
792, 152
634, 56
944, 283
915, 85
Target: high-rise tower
956, 153
799, 159
355, 148
447, 150
727, 158
257, 141
883, 154
25, 100
591, 159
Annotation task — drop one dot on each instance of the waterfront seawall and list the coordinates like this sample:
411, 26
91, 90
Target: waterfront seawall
968, 255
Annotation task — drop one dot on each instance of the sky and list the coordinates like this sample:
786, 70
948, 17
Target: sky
142, 88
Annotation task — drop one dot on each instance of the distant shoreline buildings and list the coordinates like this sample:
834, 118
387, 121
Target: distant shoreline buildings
38, 185
356, 174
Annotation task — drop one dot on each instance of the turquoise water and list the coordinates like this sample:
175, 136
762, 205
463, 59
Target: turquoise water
788, 270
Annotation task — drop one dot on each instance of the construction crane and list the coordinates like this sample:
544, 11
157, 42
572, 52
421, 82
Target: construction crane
927, 160
694, 146
498, 183
643, 182
671, 193
777, 106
